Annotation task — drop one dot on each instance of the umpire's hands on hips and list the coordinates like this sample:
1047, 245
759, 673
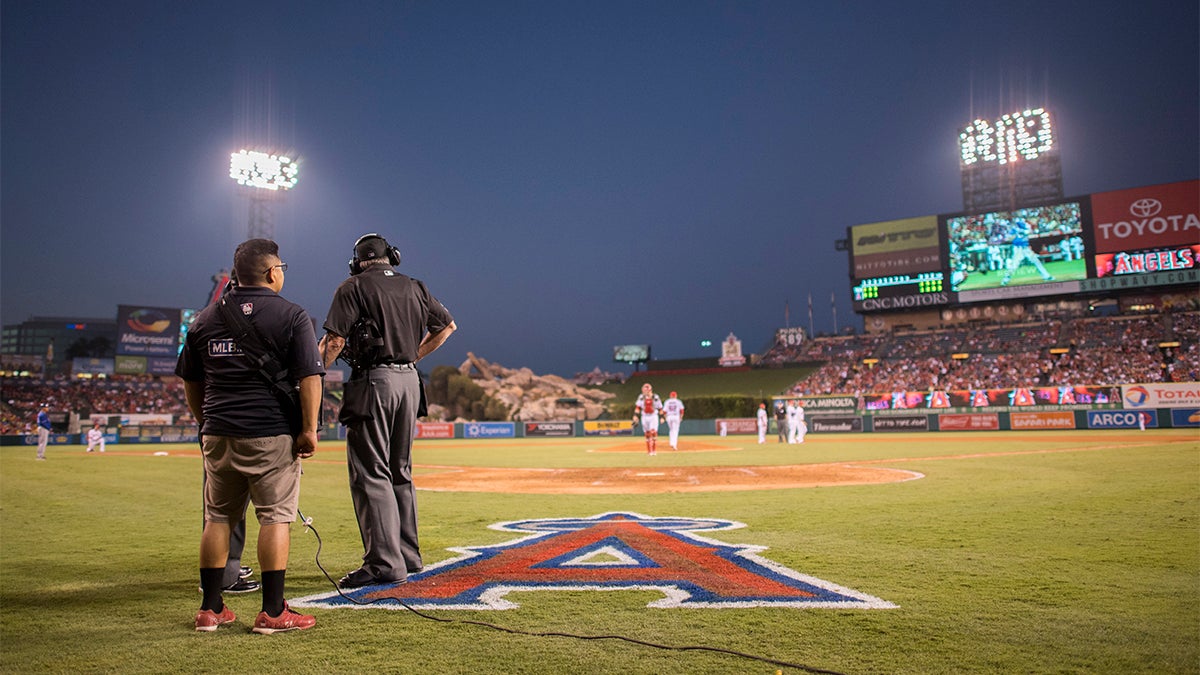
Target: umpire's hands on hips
305, 444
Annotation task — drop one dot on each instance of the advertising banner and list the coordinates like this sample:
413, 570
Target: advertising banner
489, 430
1185, 417
814, 404
1161, 395
549, 428
901, 423
1122, 419
147, 331
1140, 280
129, 365
1081, 397
827, 425
736, 425
435, 430
1156, 216
980, 422
1042, 420
608, 428
895, 247
92, 366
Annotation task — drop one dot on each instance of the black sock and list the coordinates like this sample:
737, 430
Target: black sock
210, 583
272, 592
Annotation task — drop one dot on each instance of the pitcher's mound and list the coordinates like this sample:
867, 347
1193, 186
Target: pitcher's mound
664, 449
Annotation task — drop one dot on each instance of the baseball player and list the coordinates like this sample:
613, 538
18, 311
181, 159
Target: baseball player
762, 423
1022, 252
801, 424
648, 410
95, 436
673, 408
793, 421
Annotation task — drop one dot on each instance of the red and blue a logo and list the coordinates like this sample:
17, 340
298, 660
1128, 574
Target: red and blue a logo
610, 551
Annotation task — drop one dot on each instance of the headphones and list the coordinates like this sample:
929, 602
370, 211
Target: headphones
370, 253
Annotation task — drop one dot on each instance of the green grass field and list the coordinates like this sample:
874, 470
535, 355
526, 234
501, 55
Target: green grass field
1061, 270
1061, 552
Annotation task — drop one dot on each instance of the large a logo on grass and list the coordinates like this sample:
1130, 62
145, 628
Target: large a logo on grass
610, 551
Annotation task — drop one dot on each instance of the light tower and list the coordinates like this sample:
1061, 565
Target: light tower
1010, 161
265, 176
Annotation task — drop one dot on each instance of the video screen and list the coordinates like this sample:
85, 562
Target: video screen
1033, 245
631, 353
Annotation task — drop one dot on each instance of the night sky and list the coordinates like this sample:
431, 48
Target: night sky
565, 176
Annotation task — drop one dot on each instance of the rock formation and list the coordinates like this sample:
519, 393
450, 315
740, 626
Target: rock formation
531, 397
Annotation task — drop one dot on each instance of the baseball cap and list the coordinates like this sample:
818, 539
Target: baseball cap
370, 247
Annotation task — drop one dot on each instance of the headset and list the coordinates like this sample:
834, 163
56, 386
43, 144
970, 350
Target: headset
365, 253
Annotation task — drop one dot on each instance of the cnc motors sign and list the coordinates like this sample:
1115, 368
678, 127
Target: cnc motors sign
1159, 216
608, 552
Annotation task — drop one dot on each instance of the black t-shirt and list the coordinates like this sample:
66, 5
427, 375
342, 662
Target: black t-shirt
237, 401
401, 307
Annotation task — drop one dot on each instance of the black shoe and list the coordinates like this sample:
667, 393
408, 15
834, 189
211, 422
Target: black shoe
360, 577
415, 570
242, 586
245, 572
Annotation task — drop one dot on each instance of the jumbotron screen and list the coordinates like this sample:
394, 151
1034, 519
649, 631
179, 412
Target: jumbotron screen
1023, 247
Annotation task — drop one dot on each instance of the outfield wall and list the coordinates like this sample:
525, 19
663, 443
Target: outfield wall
1022, 420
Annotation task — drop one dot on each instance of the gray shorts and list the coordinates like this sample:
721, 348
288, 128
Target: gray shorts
262, 470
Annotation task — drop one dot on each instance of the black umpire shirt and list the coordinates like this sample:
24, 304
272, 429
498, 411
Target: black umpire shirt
237, 401
401, 306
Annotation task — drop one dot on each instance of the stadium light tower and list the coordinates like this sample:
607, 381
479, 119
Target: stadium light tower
265, 176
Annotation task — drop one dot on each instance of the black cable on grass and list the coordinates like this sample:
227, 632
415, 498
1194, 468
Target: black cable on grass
516, 631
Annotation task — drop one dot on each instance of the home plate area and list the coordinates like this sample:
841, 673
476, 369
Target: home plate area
607, 552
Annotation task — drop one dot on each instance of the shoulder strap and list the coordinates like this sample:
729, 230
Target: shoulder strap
262, 351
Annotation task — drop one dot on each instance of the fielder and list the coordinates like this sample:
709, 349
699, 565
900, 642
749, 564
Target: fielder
762, 423
95, 437
793, 422
801, 424
673, 408
648, 410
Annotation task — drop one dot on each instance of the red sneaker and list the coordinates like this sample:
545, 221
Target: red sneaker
288, 620
208, 620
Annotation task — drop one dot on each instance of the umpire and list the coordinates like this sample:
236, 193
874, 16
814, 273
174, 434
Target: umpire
252, 438
382, 323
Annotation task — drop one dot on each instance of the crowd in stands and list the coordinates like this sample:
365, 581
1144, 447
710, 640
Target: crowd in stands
22, 397
1082, 351
1093, 351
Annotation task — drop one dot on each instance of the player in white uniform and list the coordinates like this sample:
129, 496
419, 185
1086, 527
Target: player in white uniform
762, 423
648, 410
801, 425
673, 408
793, 421
95, 437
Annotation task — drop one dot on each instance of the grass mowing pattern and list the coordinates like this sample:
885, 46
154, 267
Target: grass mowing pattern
1038, 552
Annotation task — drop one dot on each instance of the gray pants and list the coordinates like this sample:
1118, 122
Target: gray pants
379, 457
43, 438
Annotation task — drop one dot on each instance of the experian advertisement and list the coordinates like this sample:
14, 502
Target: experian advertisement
489, 430
147, 331
1157, 216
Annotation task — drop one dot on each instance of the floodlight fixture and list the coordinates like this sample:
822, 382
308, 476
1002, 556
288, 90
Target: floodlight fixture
264, 171
1020, 136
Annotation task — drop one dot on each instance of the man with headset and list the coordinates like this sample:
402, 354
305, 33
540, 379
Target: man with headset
382, 323
252, 439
